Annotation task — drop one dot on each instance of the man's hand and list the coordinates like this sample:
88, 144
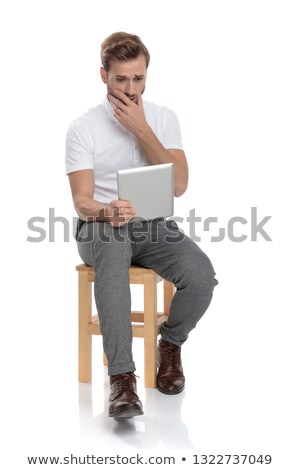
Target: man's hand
119, 212
127, 112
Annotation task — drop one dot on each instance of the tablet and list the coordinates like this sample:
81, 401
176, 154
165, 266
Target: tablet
150, 189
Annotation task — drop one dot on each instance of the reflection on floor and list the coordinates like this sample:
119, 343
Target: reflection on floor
161, 425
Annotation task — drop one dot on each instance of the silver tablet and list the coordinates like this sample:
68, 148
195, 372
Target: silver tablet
150, 189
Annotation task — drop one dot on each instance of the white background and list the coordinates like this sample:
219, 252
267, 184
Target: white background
230, 70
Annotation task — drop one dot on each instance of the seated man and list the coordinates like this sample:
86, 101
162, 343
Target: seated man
124, 132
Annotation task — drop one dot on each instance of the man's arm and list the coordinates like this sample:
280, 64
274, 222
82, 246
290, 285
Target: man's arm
132, 117
117, 213
158, 154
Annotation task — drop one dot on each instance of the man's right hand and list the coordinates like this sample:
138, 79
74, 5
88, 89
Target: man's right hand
119, 212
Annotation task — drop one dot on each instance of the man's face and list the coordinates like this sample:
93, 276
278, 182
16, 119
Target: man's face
128, 76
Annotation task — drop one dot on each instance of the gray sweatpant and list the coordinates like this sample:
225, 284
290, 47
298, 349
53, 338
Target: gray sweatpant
156, 244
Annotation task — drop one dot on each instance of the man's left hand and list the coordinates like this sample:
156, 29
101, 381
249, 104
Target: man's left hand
127, 112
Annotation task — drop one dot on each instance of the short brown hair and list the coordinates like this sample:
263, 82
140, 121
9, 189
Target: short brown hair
122, 46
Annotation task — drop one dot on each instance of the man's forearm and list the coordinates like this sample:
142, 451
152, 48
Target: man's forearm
157, 154
154, 150
89, 209
118, 212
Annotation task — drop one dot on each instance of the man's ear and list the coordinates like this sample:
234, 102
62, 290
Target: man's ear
103, 75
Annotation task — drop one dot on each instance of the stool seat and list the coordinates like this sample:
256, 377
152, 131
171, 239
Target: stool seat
145, 324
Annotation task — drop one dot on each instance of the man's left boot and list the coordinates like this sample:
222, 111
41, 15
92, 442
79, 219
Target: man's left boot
170, 377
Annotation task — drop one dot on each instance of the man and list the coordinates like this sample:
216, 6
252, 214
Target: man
124, 132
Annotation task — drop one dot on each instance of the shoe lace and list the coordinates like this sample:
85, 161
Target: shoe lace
126, 382
170, 354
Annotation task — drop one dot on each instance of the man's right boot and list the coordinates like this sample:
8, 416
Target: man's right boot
123, 399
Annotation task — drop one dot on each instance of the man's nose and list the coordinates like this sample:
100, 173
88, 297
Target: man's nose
130, 89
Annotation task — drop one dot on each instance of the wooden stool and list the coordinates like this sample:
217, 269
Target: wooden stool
145, 324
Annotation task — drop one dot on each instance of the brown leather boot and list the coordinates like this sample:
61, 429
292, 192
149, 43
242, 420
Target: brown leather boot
170, 377
123, 399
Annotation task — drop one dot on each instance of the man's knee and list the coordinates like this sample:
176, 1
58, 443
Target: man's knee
201, 275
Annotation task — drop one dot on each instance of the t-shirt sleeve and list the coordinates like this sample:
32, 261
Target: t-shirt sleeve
172, 136
79, 148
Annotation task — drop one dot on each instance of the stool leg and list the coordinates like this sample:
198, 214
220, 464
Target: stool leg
84, 336
150, 330
105, 361
169, 290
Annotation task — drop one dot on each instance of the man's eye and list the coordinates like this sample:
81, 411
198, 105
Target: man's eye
120, 79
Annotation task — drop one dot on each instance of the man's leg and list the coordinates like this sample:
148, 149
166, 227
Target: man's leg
178, 259
108, 250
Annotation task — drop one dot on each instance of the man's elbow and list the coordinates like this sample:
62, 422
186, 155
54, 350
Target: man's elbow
180, 190
181, 181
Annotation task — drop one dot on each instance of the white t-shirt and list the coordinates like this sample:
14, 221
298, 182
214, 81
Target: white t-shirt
99, 142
